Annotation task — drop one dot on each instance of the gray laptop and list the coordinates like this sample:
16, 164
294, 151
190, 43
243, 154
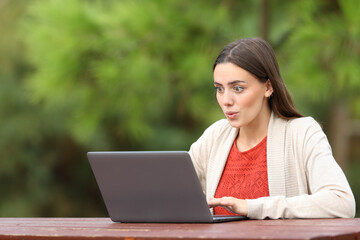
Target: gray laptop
151, 187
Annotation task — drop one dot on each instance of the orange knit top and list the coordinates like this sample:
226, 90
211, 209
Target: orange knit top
244, 176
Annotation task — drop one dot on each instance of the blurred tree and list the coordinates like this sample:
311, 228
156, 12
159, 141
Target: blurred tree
323, 58
30, 140
120, 74
102, 75
16, 130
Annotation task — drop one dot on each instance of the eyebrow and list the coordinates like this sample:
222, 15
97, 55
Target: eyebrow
230, 83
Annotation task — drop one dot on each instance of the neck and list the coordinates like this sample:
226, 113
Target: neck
251, 134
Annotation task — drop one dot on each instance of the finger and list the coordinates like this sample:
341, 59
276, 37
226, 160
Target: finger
226, 201
214, 202
221, 202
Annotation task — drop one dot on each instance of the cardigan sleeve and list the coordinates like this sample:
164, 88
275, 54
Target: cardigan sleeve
198, 153
329, 194
201, 149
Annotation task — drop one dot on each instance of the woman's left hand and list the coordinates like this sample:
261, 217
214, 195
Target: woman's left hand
235, 205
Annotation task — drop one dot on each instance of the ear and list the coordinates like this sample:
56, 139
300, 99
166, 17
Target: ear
269, 89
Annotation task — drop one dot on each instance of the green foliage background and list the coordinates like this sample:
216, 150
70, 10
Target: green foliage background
81, 75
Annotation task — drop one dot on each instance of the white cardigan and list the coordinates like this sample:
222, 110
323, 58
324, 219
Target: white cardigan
304, 179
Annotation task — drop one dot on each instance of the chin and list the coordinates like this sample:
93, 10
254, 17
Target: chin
235, 124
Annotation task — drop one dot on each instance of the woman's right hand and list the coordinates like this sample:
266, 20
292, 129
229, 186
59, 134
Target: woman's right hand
235, 205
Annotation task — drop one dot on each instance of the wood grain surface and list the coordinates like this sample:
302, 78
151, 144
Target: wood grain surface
104, 228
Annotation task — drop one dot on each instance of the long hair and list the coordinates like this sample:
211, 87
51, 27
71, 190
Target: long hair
256, 56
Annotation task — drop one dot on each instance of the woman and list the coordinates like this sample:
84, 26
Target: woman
266, 160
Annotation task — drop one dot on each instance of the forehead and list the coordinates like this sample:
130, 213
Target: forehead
229, 72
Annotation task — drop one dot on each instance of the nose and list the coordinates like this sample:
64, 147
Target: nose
227, 99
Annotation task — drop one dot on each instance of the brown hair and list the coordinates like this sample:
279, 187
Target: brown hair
256, 56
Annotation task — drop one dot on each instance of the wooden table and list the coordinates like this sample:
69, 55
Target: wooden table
103, 228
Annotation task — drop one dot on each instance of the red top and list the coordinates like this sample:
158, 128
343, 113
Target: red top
244, 176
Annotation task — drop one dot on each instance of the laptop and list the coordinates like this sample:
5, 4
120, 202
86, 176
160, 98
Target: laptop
151, 187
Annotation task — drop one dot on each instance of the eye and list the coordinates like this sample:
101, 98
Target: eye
238, 89
219, 89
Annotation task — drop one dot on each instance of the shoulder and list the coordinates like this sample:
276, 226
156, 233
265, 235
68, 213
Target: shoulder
214, 139
218, 130
296, 129
221, 124
301, 122
307, 132
278, 125
219, 127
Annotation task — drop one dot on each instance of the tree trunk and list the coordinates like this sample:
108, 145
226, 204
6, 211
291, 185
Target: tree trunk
264, 20
339, 133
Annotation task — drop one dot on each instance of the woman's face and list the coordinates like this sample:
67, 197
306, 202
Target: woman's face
241, 96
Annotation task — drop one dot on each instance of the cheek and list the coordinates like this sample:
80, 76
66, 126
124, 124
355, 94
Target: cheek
246, 101
250, 99
218, 98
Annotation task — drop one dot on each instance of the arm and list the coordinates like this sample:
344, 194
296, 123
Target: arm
197, 153
201, 149
206, 153
329, 194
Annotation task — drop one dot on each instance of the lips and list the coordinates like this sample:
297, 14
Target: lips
231, 115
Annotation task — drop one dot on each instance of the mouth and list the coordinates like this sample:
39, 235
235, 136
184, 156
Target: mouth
231, 115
